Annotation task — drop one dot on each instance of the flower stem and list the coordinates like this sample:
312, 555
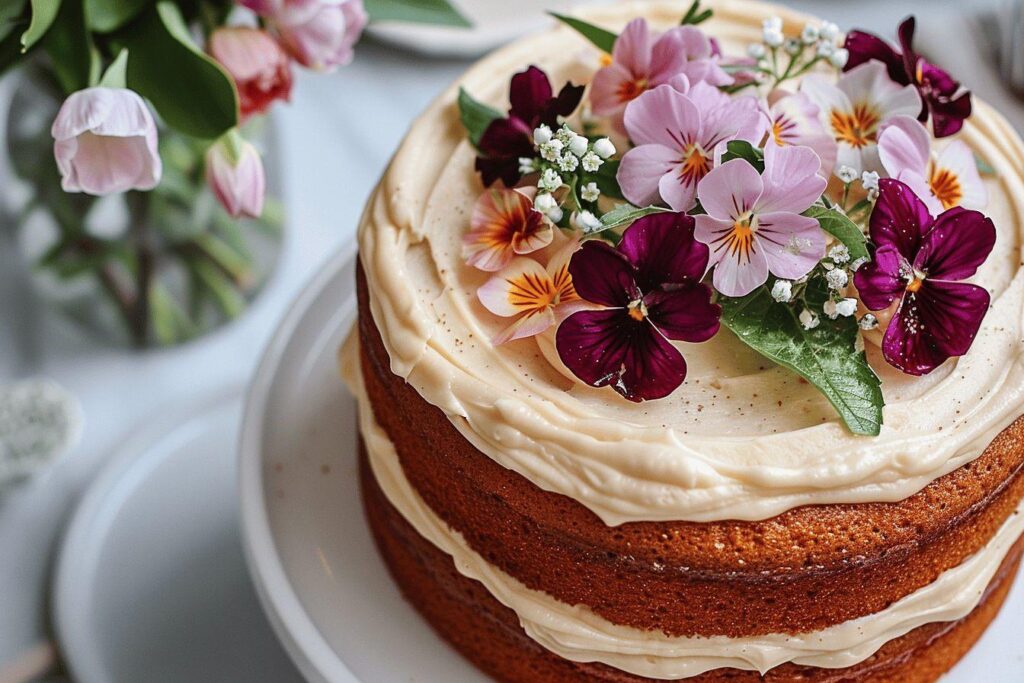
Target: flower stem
138, 318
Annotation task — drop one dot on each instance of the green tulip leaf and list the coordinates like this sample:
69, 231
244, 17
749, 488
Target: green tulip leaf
189, 90
438, 12
43, 14
105, 16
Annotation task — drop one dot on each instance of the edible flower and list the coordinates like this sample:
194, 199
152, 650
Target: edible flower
676, 135
504, 224
857, 107
753, 223
650, 291
533, 294
642, 61
920, 262
943, 97
533, 104
944, 180
793, 119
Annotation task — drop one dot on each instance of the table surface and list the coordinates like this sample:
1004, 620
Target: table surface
336, 136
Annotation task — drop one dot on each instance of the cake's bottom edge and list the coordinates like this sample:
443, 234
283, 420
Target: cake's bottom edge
487, 633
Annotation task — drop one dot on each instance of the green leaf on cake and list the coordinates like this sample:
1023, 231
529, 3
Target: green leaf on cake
741, 149
601, 38
439, 12
695, 15
826, 356
837, 224
475, 115
624, 214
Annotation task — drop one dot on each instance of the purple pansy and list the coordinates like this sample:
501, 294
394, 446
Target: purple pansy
651, 291
920, 261
942, 96
506, 140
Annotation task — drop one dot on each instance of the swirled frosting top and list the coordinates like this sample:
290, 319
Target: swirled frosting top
741, 438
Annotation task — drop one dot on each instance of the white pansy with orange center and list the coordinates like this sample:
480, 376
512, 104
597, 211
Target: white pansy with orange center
504, 225
856, 108
535, 295
793, 119
942, 179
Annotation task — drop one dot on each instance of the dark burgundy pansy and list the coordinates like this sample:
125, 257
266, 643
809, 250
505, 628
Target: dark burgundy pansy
651, 292
506, 140
919, 261
941, 96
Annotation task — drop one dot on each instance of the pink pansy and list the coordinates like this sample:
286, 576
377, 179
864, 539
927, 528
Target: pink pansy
942, 181
753, 223
537, 296
642, 61
855, 109
504, 225
793, 119
105, 141
319, 34
676, 135
234, 171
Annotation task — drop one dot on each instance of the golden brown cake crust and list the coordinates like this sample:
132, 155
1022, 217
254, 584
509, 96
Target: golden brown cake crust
804, 570
489, 635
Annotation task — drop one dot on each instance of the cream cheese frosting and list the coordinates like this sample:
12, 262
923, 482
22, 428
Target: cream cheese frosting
741, 438
578, 634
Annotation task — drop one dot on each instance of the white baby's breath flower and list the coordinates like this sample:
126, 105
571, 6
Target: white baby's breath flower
846, 174
568, 163
829, 309
839, 253
586, 221
591, 162
869, 180
846, 307
839, 58
526, 165
545, 202
809, 319
773, 38
828, 31
772, 23
837, 278
549, 180
552, 149
541, 135
793, 46
590, 191
565, 134
604, 148
810, 34
578, 145
782, 291
755, 50
868, 321
826, 49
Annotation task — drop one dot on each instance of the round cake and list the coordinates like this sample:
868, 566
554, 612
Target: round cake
829, 487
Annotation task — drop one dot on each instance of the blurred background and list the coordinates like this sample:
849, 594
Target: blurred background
101, 400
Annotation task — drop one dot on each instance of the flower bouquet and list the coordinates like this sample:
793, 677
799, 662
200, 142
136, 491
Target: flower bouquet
152, 110
797, 195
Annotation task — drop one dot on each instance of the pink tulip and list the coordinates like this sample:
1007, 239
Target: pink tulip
105, 141
234, 172
319, 34
259, 66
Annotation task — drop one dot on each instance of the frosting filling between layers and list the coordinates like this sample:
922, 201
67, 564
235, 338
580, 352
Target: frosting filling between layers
741, 439
578, 634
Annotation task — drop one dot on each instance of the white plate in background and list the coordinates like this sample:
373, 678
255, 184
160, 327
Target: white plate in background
151, 582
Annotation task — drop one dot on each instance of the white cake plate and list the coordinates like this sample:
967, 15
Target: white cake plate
317, 572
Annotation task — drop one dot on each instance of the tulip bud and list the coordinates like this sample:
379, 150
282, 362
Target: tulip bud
105, 141
259, 66
234, 172
319, 34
